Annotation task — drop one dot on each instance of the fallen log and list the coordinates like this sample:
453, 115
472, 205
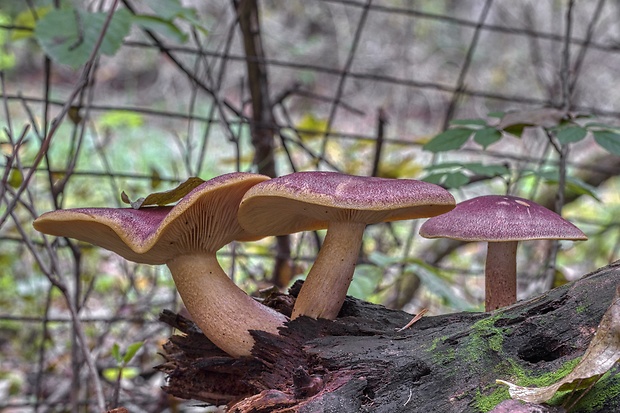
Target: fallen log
361, 362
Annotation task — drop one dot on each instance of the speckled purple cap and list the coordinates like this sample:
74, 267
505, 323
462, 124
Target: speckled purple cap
305, 201
204, 220
500, 218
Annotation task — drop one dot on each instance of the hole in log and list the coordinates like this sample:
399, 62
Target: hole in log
541, 348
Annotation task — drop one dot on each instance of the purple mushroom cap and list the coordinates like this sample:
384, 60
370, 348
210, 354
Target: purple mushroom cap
344, 204
499, 218
305, 201
204, 220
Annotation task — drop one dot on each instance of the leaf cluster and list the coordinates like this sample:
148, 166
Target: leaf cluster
68, 34
563, 129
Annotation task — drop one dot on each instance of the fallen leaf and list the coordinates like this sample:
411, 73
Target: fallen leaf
602, 353
165, 197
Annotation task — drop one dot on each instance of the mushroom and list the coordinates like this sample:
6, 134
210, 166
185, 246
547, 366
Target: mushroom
343, 204
502, 221
186, 238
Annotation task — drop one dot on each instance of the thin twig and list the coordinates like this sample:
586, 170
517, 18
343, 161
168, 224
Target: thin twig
460, 83
341, 81
414, 319
562, 149
585, 45
381, 122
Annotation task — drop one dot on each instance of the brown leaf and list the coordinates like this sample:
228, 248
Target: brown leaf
165, 197
602, 353
545, 117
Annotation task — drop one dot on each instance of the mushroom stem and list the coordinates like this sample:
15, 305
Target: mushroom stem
224, 313
500, 276
327, 283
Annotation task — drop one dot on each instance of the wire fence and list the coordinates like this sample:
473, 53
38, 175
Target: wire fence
273, 87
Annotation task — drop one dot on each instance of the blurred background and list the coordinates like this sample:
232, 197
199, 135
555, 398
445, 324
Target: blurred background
191, 88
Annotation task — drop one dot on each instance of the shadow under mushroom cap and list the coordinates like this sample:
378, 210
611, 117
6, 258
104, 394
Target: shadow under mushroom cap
500, 218
203, 221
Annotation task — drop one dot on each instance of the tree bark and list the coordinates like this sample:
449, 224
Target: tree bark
361, 362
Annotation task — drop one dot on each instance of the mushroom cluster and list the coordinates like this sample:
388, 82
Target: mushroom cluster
245, 207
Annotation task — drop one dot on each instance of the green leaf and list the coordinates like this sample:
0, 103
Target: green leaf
515, 122
469, 122
443, 166
365, 281
111, 374
580, 187
487, 136
171, 9
496, 114
68, 36
455, 180
121, 119
487, 170
573, 184
155, 178
28, 18
16, 177
132, 349
475, 167
165, 197
608, 140
435, 282
599, 125
7, 57
516, 129
571, 134
116, 353
382, 260
449, 174
162, 26
448, 140
311, 127
436, 179
168, 9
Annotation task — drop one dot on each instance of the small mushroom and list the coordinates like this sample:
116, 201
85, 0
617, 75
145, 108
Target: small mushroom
502, 221
343, 204
186, 238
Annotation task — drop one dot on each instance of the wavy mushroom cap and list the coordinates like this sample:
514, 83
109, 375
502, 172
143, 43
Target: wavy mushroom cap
203, 221
306, 201
499, 218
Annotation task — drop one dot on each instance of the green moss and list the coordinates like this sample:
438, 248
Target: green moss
435, 343
483, 351
441, 356
604, 394
486, 402
523, 378
581, 309
514, 372
484, 336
